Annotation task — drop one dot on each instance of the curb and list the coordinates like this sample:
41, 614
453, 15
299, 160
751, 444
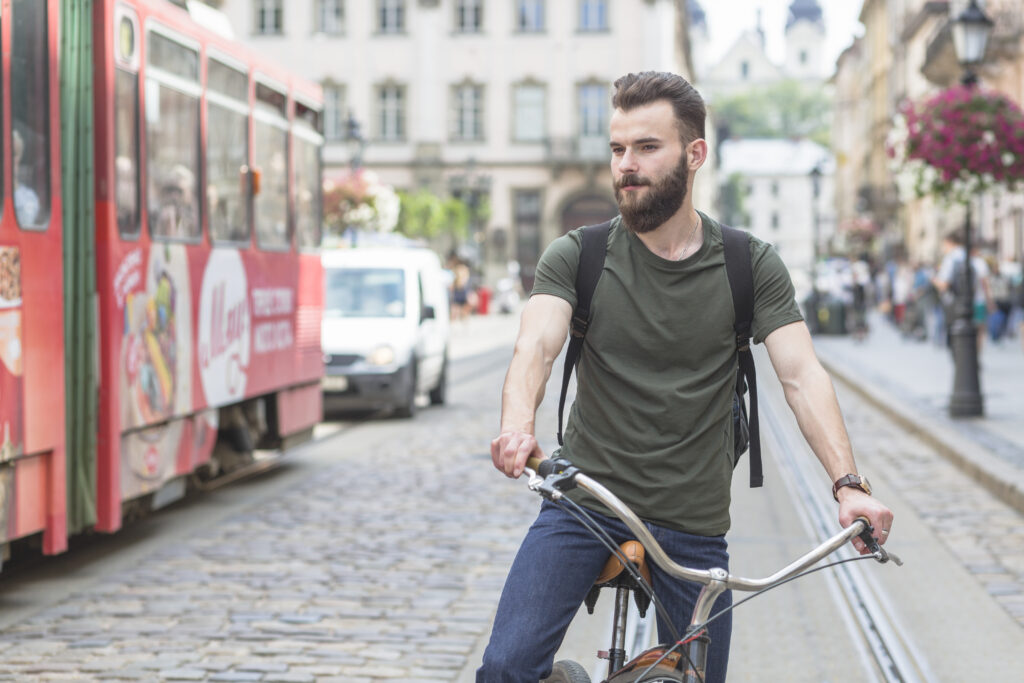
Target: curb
1002, 480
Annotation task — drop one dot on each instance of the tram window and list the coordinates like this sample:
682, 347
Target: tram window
307, 192
227, 152
126, 163
172, 57
30, 104
172, 141
271, 205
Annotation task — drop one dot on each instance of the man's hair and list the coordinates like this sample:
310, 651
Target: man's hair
646, 87
954, 237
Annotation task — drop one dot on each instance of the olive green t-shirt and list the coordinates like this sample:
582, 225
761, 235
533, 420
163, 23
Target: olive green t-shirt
652, 417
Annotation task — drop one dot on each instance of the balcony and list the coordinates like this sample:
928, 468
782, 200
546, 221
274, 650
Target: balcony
582, 150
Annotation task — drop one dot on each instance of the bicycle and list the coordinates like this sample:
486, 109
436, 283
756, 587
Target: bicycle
685, 659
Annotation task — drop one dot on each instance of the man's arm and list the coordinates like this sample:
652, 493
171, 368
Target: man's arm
542, 332
812, 399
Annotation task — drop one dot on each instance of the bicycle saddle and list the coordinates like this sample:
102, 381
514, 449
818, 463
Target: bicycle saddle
614, 575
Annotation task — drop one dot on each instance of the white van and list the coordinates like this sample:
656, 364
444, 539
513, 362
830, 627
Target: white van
385, 328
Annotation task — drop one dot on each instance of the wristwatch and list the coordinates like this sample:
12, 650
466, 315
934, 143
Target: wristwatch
854, 480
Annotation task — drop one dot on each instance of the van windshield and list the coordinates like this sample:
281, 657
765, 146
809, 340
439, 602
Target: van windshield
365, 293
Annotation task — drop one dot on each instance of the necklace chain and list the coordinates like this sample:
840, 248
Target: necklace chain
689, 240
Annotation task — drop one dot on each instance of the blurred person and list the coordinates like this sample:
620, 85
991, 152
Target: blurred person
26, 201
951, 283
462, 295
860, 283
176, 212
1000, 289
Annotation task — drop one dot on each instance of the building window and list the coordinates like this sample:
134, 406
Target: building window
391, 113
530, 110
593, 15
594, 115
744, 70
330, 17
530, 16
775, 189
269, 17
803, 56
334, 112
391, 16
469, 16
526, 208
468, 112
775, 221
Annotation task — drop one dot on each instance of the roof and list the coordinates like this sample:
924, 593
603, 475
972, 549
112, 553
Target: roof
802, 10
773, 157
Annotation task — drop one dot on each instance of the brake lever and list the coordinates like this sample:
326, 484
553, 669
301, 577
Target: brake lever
875, 549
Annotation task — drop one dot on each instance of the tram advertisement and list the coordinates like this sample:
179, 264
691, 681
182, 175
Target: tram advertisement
11, 383
197, 331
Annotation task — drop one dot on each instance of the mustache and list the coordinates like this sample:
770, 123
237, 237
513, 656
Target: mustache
632, 179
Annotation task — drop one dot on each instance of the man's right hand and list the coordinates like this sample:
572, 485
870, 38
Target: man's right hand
510, 451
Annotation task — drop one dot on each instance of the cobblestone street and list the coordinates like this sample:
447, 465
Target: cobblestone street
385, 565
378, 553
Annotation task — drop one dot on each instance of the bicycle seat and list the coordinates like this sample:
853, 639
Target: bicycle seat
634, 552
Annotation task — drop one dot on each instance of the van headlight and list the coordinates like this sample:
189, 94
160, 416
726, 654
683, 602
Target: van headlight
382, 355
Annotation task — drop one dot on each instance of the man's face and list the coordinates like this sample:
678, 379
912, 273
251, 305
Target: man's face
649, 165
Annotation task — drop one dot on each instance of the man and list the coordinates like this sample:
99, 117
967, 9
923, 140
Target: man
652, 417
951, 283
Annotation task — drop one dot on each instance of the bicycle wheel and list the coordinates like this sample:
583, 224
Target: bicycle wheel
567, 671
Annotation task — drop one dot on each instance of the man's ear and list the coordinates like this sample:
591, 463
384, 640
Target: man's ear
697, 153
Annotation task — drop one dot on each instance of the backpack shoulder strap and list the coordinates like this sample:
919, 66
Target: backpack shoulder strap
741, 281
592, 251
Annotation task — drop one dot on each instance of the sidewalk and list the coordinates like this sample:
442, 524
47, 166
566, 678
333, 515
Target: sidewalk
913, 380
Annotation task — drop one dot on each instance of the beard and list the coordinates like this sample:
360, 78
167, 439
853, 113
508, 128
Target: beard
662, 200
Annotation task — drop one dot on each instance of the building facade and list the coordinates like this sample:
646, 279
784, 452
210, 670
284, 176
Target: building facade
503, 103
907, 53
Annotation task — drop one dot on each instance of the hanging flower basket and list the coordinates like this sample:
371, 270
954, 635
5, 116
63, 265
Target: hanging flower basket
957, 144
358, 200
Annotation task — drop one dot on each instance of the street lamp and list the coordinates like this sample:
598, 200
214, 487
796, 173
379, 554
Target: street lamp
815, 238
970, 37
472, 187
355, 141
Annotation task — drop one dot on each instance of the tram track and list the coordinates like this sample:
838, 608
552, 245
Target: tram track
875, 629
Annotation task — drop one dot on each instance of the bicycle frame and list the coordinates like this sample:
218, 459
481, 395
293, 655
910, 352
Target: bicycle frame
692, 661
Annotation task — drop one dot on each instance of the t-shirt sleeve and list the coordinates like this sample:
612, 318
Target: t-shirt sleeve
556, 271
774, 297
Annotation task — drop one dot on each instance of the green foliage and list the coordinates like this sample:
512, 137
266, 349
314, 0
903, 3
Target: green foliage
424, 214
782, 110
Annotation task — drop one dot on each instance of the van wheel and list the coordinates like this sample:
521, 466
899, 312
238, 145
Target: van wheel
408, 407
439, 394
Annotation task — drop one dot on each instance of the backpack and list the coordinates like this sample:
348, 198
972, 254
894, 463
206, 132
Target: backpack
746, 433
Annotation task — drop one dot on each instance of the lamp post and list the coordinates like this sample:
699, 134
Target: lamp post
815, 239
356, 142
971, 30
472, 187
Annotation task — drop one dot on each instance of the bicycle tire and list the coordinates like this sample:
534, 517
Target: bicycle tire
567, 671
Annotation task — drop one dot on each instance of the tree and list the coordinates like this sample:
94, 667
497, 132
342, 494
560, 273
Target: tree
783, 110
424, 214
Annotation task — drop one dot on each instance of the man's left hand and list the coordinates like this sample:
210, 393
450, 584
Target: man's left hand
854, 503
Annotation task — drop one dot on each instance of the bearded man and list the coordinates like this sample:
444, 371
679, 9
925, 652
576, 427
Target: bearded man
652, 418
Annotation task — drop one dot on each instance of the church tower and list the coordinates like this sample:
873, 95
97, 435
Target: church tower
805, 42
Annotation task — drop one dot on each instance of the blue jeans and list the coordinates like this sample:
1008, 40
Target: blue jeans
557, 564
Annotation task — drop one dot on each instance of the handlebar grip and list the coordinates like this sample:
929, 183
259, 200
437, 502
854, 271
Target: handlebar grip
543, 467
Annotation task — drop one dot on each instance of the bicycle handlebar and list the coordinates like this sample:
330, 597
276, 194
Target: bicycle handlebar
551, 477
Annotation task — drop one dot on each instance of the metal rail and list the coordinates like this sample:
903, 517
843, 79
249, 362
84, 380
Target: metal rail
858, 596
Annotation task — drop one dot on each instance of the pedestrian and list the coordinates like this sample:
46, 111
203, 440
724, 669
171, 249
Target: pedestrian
951, 283
652, 418
860, 282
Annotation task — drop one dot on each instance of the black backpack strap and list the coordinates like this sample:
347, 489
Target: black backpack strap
741, 282
595, 243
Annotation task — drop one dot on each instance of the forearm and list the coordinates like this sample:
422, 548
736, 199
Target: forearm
524, 388
812, 399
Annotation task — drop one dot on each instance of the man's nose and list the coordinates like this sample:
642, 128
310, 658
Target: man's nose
627, 162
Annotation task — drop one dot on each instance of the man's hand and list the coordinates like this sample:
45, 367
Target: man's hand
510, 451
854, 503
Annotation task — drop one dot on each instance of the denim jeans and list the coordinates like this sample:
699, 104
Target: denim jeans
557, 564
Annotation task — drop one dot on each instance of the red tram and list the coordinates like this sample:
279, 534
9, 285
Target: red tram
160, 288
